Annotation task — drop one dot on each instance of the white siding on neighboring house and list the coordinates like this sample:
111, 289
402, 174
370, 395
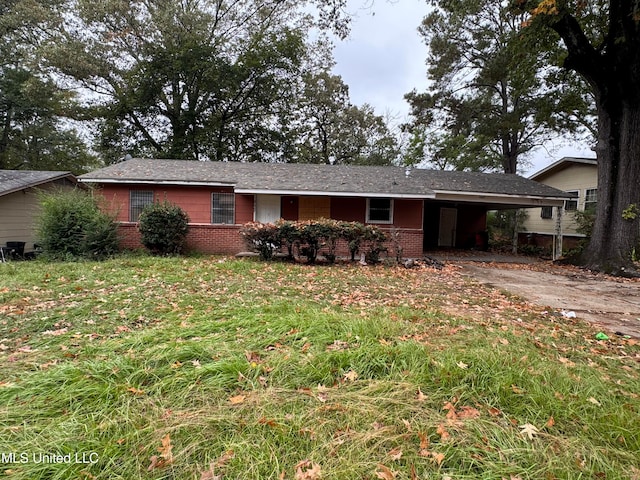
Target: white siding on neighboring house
575, 177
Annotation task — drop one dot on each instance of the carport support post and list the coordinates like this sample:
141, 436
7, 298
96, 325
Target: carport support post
557, 243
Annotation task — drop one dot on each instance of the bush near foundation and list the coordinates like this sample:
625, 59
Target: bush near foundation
71, 226
163, 228
311, 238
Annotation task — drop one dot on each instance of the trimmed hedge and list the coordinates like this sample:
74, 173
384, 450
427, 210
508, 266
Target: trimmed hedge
163, 228
311, 238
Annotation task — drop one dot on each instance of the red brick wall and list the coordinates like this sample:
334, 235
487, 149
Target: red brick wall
213, 239
225, 239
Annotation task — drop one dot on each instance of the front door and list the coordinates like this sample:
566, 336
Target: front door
447, 231
267, 208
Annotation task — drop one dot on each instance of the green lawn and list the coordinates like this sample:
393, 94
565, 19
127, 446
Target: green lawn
206, 368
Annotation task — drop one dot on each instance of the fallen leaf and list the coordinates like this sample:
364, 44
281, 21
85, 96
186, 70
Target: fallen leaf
437, 457
529, 430
442, 431
135, 391
421, 397
395, 454
517, 390
594, 401
350, 376
462, 365
550, 423
237, 400
385, 473
306, 470
165, 458
468, 412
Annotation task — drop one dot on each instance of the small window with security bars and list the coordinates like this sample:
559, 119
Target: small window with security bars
546, 212
223, 208
138, 199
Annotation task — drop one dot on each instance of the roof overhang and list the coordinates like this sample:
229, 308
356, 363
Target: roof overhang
311, 193
44, 181
155, 182
498, 200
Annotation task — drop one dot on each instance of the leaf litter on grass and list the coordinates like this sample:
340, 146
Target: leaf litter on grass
352, 369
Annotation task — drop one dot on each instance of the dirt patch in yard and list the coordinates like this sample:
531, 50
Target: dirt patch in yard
611, 303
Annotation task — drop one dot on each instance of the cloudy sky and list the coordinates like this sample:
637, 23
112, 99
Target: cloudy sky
384, 58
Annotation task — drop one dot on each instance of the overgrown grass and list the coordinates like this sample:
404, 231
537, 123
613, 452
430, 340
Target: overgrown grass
205, 368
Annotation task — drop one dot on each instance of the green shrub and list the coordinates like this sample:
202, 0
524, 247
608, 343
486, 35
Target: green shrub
163, 228
71, 225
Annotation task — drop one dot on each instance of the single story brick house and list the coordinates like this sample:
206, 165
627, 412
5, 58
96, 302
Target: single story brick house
427, 208
19, 203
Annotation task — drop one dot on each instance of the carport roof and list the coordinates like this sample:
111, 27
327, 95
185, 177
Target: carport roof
312, 179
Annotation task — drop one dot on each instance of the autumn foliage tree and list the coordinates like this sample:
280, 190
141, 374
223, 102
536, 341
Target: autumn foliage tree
602, 43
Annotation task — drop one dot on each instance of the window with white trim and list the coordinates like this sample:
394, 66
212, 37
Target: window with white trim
590, 198
138, 199
572, 205
379, 210
223, 208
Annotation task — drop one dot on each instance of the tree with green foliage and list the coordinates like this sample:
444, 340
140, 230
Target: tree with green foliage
602, 43
205, 80
35, 133
332, 130
72, 225
494, 94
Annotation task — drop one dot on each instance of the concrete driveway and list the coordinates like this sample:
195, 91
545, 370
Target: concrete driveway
611, 303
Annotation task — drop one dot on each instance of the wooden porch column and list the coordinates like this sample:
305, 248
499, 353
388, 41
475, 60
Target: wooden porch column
557, 240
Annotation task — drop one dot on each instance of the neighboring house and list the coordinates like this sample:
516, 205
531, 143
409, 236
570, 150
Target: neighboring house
427, 208
575, 176
19, 202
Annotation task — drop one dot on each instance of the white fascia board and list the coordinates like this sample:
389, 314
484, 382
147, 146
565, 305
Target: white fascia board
156, 182
500, 198
311, 193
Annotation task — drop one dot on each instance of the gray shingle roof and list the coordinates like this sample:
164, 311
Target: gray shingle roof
327, 179
15, 180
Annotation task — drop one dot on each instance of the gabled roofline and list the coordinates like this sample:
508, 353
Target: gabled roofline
37, 183
564, 160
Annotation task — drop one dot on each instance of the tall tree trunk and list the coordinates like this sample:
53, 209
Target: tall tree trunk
616, 230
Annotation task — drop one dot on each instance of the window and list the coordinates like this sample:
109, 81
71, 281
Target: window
572, 205
590, 199
379, 210
138, 199
546, 212
223, 208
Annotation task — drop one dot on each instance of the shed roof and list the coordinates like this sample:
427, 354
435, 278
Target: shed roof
309, 179
15, 180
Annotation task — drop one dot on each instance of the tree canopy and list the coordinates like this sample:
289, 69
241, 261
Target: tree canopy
35, 132
495, 93
601, 42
